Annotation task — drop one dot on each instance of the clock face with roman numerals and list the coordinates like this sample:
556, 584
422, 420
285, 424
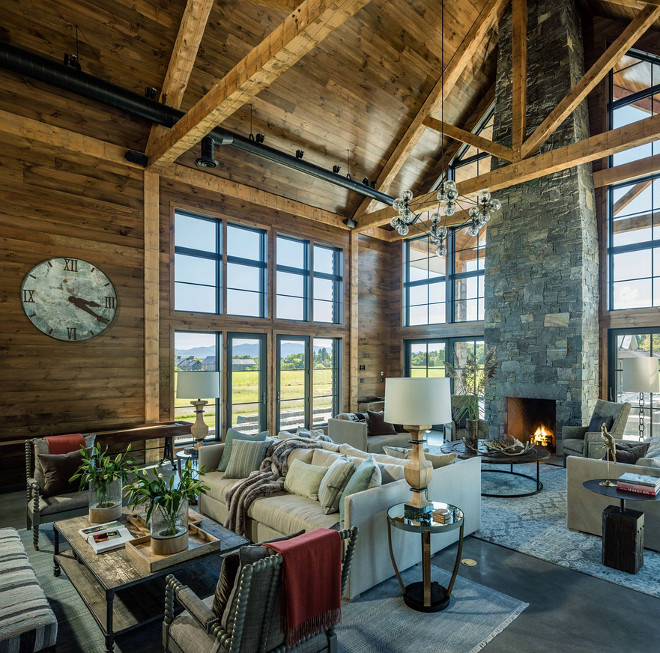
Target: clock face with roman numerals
69, 299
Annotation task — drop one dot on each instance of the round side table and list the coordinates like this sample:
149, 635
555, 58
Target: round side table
426, 596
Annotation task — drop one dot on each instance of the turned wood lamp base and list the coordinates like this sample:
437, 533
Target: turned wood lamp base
199, 429
418, 474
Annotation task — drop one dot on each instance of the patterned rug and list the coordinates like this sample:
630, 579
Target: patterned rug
378, 621
536, 526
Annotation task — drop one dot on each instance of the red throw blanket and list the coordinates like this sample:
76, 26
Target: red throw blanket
311, 582
65, 443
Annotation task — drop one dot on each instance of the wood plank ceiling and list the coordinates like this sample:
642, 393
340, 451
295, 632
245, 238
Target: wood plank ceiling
352, 97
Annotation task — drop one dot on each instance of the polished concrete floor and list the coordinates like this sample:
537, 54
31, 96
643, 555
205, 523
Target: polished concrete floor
568, 612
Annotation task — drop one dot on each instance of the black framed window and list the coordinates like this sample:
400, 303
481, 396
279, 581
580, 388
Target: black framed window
327, 284
292, 279
326, 379
634, 343
470, 161
198, 351
246, 271
246, 381
197, 263
468, 272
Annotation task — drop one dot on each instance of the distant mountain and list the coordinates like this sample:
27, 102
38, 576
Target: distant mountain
197, 352
247, 349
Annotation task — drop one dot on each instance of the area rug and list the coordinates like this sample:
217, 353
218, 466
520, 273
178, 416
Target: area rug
536, 526
378, 621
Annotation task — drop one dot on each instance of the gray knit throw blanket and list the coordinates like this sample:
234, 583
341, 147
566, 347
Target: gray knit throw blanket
267, 480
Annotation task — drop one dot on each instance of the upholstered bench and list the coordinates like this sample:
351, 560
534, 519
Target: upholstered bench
27, 622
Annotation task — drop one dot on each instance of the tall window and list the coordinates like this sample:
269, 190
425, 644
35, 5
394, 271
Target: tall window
246, 271
246, 384
307, 291
197, 263
634, 207
196, 351
448, 289
470, 161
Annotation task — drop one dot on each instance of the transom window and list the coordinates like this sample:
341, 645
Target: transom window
246, 271
470, 161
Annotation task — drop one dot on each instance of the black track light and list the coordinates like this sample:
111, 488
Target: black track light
299, 154
365, 181
207, 156
336, 169
260, 138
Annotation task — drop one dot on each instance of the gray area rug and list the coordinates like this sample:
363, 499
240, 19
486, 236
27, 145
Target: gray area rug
378, 621
536, 526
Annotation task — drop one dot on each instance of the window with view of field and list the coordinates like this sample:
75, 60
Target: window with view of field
246, 383
196, 351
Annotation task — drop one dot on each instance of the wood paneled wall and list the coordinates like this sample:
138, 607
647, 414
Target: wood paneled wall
55, 204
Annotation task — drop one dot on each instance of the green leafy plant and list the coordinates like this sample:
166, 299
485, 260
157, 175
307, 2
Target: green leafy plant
471, 381
100, 469
161, 492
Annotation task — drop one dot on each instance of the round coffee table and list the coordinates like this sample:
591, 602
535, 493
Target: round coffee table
535, 456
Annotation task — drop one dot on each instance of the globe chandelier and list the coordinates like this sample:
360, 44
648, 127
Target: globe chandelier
449, 200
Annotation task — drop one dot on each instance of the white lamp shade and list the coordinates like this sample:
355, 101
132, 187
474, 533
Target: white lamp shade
197, 385
640, 374
417, 401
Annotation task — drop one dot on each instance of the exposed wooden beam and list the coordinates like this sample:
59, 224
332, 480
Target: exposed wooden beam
591, 78
634, 4
471, 43
584, 151
182, 60
300, 32
458, 218
284, 5
464, 136
519, 73
630, 195
627, 171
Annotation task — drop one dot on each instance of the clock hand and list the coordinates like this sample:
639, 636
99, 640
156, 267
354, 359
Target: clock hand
82, 304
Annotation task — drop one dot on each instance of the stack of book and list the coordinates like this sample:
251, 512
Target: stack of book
442, 516
639, 483
106, 537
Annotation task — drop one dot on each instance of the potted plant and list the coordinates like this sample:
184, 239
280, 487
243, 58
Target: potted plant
470, 382
166, 505
105, 476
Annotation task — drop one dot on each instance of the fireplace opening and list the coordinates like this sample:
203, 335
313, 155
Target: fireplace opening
532, 419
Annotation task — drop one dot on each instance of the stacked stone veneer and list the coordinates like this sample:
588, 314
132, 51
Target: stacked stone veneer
541, 280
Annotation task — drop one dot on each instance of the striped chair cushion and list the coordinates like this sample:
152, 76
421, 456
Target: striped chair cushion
333, 484
246, 456
27, 622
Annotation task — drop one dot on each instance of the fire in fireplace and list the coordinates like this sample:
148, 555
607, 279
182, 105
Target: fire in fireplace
532, 419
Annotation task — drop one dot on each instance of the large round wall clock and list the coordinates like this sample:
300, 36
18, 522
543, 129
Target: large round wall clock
69, 299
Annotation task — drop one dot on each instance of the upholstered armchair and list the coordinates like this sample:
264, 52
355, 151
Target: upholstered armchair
256, 620
457, 428
581, 441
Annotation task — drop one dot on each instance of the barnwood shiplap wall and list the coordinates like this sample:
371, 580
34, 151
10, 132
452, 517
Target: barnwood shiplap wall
55, 204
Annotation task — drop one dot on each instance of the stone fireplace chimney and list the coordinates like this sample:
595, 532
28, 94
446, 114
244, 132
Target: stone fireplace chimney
541, 279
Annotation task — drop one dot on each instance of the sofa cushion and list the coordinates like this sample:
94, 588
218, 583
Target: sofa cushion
377, 425
436, 460
41, 446
366, 476
246, 456
218, 485
352, 451
629, 452
391, 473
61, 502
325, 458
597, 421
290, 513
233, 434
333, 484
301, 454
304, 479
654, 447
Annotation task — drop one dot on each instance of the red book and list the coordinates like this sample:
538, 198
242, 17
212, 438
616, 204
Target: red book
628, 487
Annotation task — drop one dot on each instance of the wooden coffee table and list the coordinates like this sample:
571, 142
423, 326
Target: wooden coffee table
120, 596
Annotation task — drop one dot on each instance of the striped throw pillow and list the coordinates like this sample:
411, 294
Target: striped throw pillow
333, 484
246, 456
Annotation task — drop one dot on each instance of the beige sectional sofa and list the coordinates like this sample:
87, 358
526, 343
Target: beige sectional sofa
281, 514
584, 508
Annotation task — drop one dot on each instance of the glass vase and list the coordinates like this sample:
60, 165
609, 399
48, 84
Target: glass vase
169, 529
105, 501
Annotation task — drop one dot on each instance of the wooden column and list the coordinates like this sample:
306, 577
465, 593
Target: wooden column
353, 338
151, 305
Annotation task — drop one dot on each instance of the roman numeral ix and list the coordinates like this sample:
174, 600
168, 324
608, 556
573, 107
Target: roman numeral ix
28, 296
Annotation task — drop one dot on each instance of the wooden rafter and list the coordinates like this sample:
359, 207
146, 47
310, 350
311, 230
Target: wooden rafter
627, 171
630, 195
634, 4
590, 149
466, 51
470, 138
300, 32
591, 78
284, 5
519, 74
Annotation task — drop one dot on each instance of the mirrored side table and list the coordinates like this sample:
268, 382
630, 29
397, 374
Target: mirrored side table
427, 596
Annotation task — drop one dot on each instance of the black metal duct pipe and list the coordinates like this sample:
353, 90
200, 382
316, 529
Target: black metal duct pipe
52, 72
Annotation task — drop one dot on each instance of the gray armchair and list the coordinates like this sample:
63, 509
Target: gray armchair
579, 441
256, 622
456, 429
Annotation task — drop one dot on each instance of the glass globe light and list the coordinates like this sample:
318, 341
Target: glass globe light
394, 222
441, 250
473, 212
434, 217
442, 196
450, 208
408, 216
483, 197
484, 216
403, 229
407, 196
449, 184
442, 231
398, 204
473, 229
494, 205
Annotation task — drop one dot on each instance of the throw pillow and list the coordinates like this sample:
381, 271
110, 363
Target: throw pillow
304, 479
597, 421
376, 424
654, 447
628, 452
233, 434
246, 456
400, 452
314, 434
41, 446
57, 469
333, 484
366, 476
390, 473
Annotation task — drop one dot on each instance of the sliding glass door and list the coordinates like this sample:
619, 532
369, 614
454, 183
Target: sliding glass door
246, 386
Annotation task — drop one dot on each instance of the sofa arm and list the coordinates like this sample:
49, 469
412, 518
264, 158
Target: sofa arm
343, 431
574, 432
209, 456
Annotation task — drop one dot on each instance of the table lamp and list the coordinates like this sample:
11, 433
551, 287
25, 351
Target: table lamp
194, 385
640, 375
418, 403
